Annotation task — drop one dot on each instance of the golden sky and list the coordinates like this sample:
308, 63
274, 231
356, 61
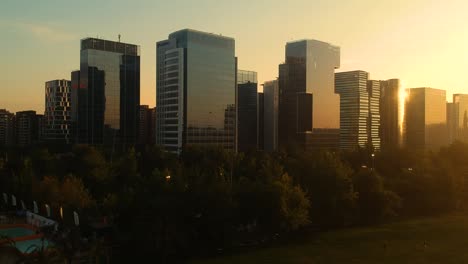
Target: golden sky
422, 42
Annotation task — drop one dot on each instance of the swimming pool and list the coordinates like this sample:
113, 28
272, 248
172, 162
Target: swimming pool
23, 246
24, 238
16, 232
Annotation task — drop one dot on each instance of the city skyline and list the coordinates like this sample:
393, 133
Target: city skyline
42, 39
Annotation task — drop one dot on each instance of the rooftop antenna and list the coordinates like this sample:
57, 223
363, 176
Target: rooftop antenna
119, 37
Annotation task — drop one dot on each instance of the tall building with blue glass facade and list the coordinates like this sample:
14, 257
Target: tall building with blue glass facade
106, 93
196, 90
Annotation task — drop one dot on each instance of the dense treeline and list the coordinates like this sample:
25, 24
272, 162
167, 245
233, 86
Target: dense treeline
206, 199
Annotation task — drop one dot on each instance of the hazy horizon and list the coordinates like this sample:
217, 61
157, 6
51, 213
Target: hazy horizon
388, 39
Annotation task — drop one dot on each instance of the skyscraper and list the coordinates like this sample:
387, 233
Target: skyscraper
247, 110
57, 115
309, 108
196, 90
271, 100
354, 109
425, 119
7, 128
374, 119
460, 117
390, 130
261, 121
147, 125
106, 93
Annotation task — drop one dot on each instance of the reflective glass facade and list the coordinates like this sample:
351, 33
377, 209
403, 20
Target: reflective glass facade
390, 134
271, 101
425, 118
57, 116
106, 92
195, 93
247, 110
308, 103
460, 117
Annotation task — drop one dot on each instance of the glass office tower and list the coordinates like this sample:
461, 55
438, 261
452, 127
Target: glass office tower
390, 130
271, 94
196, 90
374, 119
354, 109
308, 105
106, 93
57, 115
247, 110
425, 118
460, 117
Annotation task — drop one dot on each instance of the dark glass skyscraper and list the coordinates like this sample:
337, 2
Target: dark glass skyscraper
106, 93
247, 110
196, 90
271, 93
308, 105
390, 123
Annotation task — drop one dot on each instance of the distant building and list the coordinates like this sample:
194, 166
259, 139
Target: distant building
7, 128
247, 110
426, 119
451, 128
147, 125
57, 116
28, 128
196, 91
460, 117
106, 93
390, 123
271, 102
309, 107
261, 121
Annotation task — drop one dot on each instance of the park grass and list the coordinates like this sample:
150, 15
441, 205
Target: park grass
442, 239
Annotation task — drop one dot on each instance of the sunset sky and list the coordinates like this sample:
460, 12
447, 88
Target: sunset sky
422, 42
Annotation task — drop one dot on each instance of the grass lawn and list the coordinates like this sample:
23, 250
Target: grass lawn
402, 242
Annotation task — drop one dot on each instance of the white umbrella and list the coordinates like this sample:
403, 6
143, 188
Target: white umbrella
23, 205
13, 200
36, 210
47, 207
77, 219
5, 197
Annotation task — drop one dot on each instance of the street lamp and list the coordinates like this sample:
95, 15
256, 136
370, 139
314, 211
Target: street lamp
168, 177
373, 161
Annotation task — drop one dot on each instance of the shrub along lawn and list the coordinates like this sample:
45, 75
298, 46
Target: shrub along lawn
441, 239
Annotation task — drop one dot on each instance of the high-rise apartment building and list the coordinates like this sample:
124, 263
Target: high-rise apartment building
196, 90
425, 119
309, 107
271, 102
390, 123
7, 128
57, 115
247, 110
106, 93
28, 128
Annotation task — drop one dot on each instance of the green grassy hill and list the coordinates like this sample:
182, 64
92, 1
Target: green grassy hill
432, 240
